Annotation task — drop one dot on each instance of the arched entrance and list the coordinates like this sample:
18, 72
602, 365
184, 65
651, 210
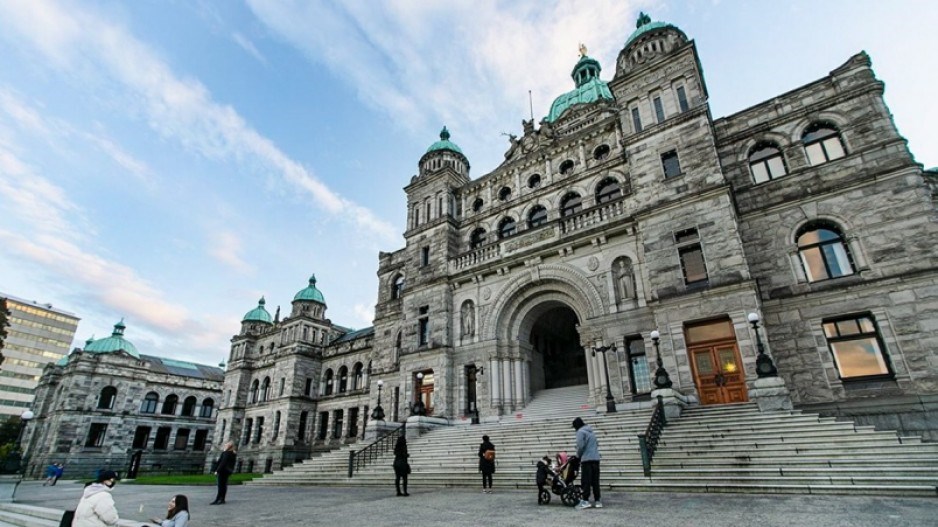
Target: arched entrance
556, 343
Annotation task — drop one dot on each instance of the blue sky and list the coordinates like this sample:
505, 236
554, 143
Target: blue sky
171, 161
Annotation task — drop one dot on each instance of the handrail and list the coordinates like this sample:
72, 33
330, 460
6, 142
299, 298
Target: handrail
648, 442
357, 460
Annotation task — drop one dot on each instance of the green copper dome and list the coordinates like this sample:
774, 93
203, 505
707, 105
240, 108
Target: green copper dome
310, 292
645, 25
116, 342
589, 88
258, 314
444, 143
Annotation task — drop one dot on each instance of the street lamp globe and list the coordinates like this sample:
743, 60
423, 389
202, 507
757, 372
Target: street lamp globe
27, 415
655, 335
380, 383
753, 318
419, 376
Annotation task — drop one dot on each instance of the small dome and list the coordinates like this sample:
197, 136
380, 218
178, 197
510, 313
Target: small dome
258, 314
644, 25
63, 361
589, 87
116, 342
444, 143
310, 293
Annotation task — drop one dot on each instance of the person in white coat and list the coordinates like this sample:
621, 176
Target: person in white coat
96, 508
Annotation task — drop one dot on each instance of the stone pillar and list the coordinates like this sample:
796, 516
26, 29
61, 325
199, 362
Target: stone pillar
508, 396
674, 401
494, 384
591, 374
527, 381
519, 384
770, 394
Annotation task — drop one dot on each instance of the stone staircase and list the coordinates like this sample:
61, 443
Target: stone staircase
20, 515
733, 448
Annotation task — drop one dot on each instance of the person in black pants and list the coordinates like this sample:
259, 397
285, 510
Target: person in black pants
224, 467
486, 463
401, 465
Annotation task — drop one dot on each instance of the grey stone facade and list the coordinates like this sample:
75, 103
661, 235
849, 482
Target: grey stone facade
92, 412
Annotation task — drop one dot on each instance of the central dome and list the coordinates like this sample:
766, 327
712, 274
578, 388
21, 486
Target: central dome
589, 88
444, 143
116, 342
310, 292
258, 314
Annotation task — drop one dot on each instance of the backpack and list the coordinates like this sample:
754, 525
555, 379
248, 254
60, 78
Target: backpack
489, 455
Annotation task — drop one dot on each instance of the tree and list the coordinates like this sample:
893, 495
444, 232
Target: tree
4, 322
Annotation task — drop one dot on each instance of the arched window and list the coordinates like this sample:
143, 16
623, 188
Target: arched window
207, 406
343, 379
328, 380
504, 194
570, 204
358, 376
823, 252
255, 390
398, 288
534, 181
822, 143
601, 152
566, 167
608, 190
107, 398
169, 405
188, 406
265, 389
766, 162
477, 238
506, 228
477, 205
537, 217
150, 402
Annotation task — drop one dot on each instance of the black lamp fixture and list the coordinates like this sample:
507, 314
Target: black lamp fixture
418, 408
25, 418
610, 400
662, 379
764, 365
378, 413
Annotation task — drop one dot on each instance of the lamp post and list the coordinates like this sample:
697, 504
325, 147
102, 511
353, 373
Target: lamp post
378, 413
764, 365
419, 407
25, 417
610, 400
662, 379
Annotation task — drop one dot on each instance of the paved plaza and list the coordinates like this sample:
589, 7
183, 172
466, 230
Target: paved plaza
372, 507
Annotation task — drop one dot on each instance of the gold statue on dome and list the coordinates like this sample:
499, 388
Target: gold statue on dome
582, 49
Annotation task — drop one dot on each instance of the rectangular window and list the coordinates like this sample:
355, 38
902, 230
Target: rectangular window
692, 262
659, 109
301, 428
323, 425
283, 385
424, 256
423, 327
162, 438
182, 439
141, 437
857, 347
276, 426
636, 120
259, 434
201, 437
682, 99
96, 434
337, 424
639, 373
353, 422
671, 164
309, 387
248, 425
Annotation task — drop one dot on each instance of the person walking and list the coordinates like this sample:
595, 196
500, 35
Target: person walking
96, 508
486, 463
59, 470
587, 449
401, 466
177, 514
224, 467
50, 474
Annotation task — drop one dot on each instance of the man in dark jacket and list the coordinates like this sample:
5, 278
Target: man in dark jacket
486, 463
224, 467
587, 449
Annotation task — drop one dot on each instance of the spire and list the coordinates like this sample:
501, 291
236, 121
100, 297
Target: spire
444, 134
277, 316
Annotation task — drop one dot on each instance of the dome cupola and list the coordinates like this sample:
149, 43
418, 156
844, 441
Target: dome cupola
113, 344
310, 293
589, 87
258, 314
442, 154
650, 40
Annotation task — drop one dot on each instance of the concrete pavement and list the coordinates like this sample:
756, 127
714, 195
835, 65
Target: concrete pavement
371, 507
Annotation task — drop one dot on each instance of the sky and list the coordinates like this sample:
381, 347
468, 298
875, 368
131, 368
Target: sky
169, 162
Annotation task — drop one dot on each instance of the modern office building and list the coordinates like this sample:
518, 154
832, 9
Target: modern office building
37, 335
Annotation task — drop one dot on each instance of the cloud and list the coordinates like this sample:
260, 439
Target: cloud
177, 108
364, 314
226, 247
248, 46
131, 164
427, 63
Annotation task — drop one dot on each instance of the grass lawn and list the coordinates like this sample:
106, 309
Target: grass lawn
188, 479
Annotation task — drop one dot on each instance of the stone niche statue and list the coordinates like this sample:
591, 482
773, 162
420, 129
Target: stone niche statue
624, 279
468, 317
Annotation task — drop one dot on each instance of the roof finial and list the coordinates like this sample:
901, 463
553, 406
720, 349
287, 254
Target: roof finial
582, 49
261, 301
312, 279
643, 19
444, 134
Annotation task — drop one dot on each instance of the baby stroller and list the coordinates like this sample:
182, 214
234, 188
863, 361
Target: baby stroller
559, 479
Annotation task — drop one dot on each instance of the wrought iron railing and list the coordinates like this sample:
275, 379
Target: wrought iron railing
360, 458
648, 441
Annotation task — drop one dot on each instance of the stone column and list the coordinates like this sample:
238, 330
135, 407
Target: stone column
590, 373
506, 386
494, 384
770, 394
519, 384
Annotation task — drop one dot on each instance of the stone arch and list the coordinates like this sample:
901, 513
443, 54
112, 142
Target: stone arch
772, 136
838, 120
521, 294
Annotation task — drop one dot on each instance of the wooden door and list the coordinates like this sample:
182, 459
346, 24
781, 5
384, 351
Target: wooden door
718, 374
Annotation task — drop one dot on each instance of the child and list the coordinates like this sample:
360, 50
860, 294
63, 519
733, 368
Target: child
543, 470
